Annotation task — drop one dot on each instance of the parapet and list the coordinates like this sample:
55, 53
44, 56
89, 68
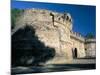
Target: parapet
77, 36
63, 18
93, 40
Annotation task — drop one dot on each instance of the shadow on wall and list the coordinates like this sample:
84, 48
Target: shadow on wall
27, 50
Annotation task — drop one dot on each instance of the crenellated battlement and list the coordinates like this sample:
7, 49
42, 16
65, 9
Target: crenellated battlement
48, 15
77, 36
62, 17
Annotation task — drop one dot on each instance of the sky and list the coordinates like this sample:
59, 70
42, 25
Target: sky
84, 16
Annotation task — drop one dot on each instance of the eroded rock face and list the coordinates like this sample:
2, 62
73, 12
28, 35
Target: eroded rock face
51, 28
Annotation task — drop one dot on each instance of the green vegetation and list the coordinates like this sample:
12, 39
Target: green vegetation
90, 36
15, 13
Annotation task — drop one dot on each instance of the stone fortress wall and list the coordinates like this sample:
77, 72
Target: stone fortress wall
55, 30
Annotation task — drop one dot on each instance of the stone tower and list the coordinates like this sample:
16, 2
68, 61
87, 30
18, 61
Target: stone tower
90, 47
52, 28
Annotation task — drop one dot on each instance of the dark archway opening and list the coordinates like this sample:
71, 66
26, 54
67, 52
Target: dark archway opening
75, 53
86, 52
